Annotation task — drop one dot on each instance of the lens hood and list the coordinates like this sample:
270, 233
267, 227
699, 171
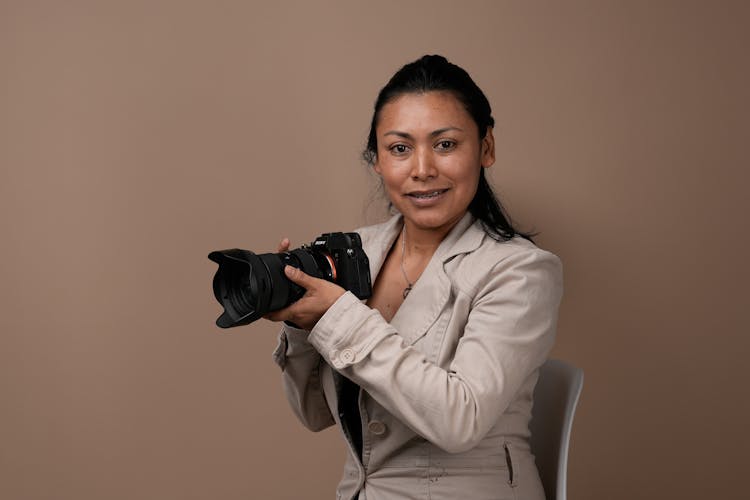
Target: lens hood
236, 286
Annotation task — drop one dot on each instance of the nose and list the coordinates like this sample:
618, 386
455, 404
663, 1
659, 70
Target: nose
423, 167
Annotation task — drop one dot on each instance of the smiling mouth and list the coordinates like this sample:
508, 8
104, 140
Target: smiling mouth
426, 195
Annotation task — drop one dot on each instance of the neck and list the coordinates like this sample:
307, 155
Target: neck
424, 241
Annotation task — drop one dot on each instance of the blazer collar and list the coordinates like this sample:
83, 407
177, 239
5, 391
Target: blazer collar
466, 236
432, 290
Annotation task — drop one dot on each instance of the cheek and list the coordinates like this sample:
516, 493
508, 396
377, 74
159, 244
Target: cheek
465, 174
392, 175
391, 184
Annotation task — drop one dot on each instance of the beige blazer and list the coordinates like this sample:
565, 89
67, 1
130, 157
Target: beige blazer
447, 384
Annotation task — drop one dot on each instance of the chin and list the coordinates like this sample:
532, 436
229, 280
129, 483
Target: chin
430, 221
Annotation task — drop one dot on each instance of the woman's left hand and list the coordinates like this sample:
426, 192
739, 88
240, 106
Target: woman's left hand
319, 296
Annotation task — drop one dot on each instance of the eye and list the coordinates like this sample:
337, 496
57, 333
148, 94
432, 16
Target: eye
445, 145
399, 149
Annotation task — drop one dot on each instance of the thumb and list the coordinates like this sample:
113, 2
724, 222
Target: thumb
297, 276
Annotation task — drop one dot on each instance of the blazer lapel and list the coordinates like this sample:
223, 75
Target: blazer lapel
422, 306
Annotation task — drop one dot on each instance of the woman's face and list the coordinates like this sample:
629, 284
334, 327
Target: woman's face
429, 156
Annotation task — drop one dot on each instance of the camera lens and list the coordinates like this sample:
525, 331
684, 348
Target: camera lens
249, 285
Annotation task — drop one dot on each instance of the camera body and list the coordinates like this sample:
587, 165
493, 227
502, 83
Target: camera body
350, 263
249, 285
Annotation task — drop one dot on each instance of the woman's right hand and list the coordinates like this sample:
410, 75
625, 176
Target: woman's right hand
319, 296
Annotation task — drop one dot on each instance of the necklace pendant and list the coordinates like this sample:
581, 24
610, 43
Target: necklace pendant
407, 290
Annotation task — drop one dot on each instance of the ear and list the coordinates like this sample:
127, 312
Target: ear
488, 149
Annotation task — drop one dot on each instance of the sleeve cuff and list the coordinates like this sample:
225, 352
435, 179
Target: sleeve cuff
348, 331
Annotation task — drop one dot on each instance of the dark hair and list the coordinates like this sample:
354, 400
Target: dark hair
434, 73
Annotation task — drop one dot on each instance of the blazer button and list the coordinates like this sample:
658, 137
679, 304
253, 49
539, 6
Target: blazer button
346, 355
376, 427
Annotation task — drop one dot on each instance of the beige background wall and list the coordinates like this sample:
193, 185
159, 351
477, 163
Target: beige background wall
135, 137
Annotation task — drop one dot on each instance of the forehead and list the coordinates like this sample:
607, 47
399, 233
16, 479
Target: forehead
428, 111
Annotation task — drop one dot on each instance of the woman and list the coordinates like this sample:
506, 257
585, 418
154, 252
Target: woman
431, 380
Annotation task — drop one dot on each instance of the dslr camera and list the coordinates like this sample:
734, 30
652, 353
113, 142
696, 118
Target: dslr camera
249, 285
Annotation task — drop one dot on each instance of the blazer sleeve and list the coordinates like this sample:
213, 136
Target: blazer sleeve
509, 333
300, 365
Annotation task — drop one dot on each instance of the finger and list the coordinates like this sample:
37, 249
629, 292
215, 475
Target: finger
283, 245
298, 276
280, 315
274, 316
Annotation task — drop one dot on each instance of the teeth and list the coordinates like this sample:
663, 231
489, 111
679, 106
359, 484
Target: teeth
427, 195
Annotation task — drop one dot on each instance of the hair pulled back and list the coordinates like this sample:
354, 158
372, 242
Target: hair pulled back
432, 73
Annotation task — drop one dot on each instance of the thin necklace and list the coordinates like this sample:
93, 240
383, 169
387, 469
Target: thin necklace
403, 271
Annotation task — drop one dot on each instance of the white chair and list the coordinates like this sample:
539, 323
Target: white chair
555, 398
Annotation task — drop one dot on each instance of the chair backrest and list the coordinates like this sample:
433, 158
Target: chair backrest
555, 398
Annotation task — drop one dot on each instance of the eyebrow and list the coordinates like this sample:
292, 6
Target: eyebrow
434, 133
